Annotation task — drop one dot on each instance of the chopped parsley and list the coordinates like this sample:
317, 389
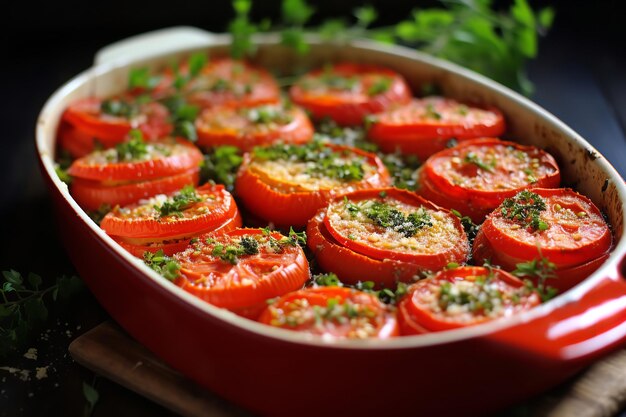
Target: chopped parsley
480, 297
221, 164
470, 228
293, 239
326, 162
525, 209
247, 245
327, 280
472, 158
165, 265
119, 108
432, 113
182, 116
402, 169
268, 114
380, 86
390, 217
133, 149
180, 201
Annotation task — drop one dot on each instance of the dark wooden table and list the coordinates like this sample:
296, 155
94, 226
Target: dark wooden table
578, 77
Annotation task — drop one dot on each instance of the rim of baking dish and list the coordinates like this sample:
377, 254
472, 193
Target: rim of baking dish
404, 342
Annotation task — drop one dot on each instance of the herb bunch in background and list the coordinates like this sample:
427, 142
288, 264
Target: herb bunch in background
24, 304
472, 33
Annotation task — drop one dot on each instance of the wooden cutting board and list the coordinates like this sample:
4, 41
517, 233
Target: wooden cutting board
600, 391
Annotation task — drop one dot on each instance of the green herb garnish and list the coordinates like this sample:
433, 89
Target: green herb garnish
133, 149
247, 245
389, 217
541, 270
402, 169
221, 164
119, 108
525, 209
472, 158
164, 265
325, 162
180, 201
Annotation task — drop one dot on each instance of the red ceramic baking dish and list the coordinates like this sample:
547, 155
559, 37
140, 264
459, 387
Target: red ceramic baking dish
270, 371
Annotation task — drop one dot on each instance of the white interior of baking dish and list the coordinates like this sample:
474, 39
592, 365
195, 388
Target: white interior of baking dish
581, 165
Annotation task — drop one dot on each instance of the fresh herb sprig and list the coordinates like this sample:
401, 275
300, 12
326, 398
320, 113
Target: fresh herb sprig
164, 265
180, 201
525, 208
474, 34
541, 270
25, 303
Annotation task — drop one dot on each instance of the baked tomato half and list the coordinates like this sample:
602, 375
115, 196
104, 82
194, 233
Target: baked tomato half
461, 297
287, 184
93, 195
137, 160
247, 127
347, 93
560, 225
239, 270
333, 313
477, 175
424, 126
174, 219
223, 82
109, 121
389, 225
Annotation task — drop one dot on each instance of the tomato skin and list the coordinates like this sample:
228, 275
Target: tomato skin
246, 135
169, 248
86, 117
472, 202
416, 315
573, 264
243, 84
350, 109
90, 195
581, 251
296, 208
407, 130
432, 262
352, 267
218, 206
244, 287
187, 159
385, 324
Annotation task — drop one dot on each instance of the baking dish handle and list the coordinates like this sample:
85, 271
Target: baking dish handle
580, 330
157, 42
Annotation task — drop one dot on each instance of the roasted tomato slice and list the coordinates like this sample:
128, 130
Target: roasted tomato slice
239, 270
137, 160
476, 176
287, 184
558, 224
182, 214
398, 225
224, 82
462, 297
138, 247
352, 267
333, 313
109, 121
424, 126
247, 127
347, 93
92, 195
